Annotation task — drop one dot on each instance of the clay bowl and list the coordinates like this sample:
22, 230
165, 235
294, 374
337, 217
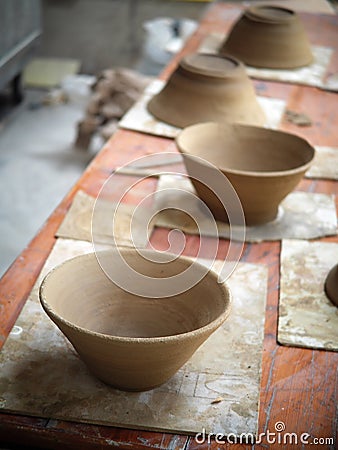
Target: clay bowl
331, 285
207, 88
131, 342
262, 165
269, 36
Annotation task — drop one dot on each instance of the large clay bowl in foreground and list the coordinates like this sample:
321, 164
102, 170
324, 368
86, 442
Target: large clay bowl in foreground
262, 165
132, 342
207, 88
269, 36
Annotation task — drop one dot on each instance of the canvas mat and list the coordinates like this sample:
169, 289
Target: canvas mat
331, 83
301, 215
312, 75
78, 222
42, 375
139, 119
307, 318
325, 164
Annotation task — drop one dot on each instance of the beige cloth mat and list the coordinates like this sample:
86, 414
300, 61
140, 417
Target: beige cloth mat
312, 75
325, 164
139, 119
78, 222
307, 318
301, 215
42, 375
49, 72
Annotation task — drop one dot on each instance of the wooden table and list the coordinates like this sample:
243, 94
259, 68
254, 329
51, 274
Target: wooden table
298, 386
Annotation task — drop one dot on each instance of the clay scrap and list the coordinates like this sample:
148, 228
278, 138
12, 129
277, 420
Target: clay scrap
297, 118
114, 92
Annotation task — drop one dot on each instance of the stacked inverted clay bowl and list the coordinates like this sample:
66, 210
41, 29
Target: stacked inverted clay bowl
128, 341
262, 165
269, 36
207, 88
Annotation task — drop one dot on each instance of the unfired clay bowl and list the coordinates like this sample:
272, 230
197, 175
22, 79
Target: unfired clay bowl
207, 88
263, 165
130, 342
269, 36
331, 285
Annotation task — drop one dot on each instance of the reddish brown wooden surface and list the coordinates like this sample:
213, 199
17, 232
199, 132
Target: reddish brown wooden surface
299, 386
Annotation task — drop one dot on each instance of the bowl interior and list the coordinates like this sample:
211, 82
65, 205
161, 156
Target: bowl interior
80, 293
241, 148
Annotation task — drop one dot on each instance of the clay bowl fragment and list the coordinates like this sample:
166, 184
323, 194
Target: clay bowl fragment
331, 285
269, 36
262, 165
128, 341
207, 88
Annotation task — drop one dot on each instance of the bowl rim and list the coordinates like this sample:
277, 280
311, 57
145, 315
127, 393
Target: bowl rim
211, 326
188, 68
255, 13
247, 173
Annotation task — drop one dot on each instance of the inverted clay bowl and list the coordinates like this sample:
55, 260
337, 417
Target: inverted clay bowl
262, 165
269, 36
207, 88
331, 285
131, 342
